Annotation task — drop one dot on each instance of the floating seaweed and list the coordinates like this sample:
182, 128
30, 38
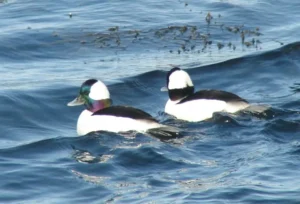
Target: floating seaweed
174, 38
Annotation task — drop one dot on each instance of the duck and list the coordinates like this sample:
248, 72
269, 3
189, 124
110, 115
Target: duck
100, 115
187, 105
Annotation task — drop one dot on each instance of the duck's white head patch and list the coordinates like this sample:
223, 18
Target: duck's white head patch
99, 91
179, 79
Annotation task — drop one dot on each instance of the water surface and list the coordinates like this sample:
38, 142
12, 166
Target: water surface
47, 49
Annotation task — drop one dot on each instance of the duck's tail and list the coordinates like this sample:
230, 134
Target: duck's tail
165, 132
256, 109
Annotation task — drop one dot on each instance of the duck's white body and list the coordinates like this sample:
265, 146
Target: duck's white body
202, 109
90, 123
186, 105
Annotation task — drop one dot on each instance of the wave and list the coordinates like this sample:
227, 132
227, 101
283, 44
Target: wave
212, 158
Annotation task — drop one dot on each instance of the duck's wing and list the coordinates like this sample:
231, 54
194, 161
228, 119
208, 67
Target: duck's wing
214, 95
125, 111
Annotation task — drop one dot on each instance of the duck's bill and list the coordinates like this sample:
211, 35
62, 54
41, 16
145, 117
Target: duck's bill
164, 89
76, 102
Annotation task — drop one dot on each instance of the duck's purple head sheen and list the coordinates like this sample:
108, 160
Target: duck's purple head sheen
94, 95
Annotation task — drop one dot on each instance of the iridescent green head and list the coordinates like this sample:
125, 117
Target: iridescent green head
93, 94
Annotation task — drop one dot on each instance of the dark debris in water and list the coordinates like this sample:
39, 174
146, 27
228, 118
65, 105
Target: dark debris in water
176, 39
208, 18
295, 88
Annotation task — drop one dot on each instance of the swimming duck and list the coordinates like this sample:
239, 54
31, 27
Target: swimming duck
100, 115
186, 105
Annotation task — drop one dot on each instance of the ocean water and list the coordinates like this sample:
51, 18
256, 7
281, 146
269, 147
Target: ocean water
48, 48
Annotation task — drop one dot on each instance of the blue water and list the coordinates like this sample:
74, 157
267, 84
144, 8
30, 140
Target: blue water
48, 48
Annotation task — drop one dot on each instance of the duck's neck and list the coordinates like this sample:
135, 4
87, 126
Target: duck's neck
177, 94
95, 105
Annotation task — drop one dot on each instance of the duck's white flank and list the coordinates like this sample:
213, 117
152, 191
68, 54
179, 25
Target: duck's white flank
198, 110
87, 123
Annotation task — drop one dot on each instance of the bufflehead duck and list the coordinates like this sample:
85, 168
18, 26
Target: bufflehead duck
186, 105
100, 115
